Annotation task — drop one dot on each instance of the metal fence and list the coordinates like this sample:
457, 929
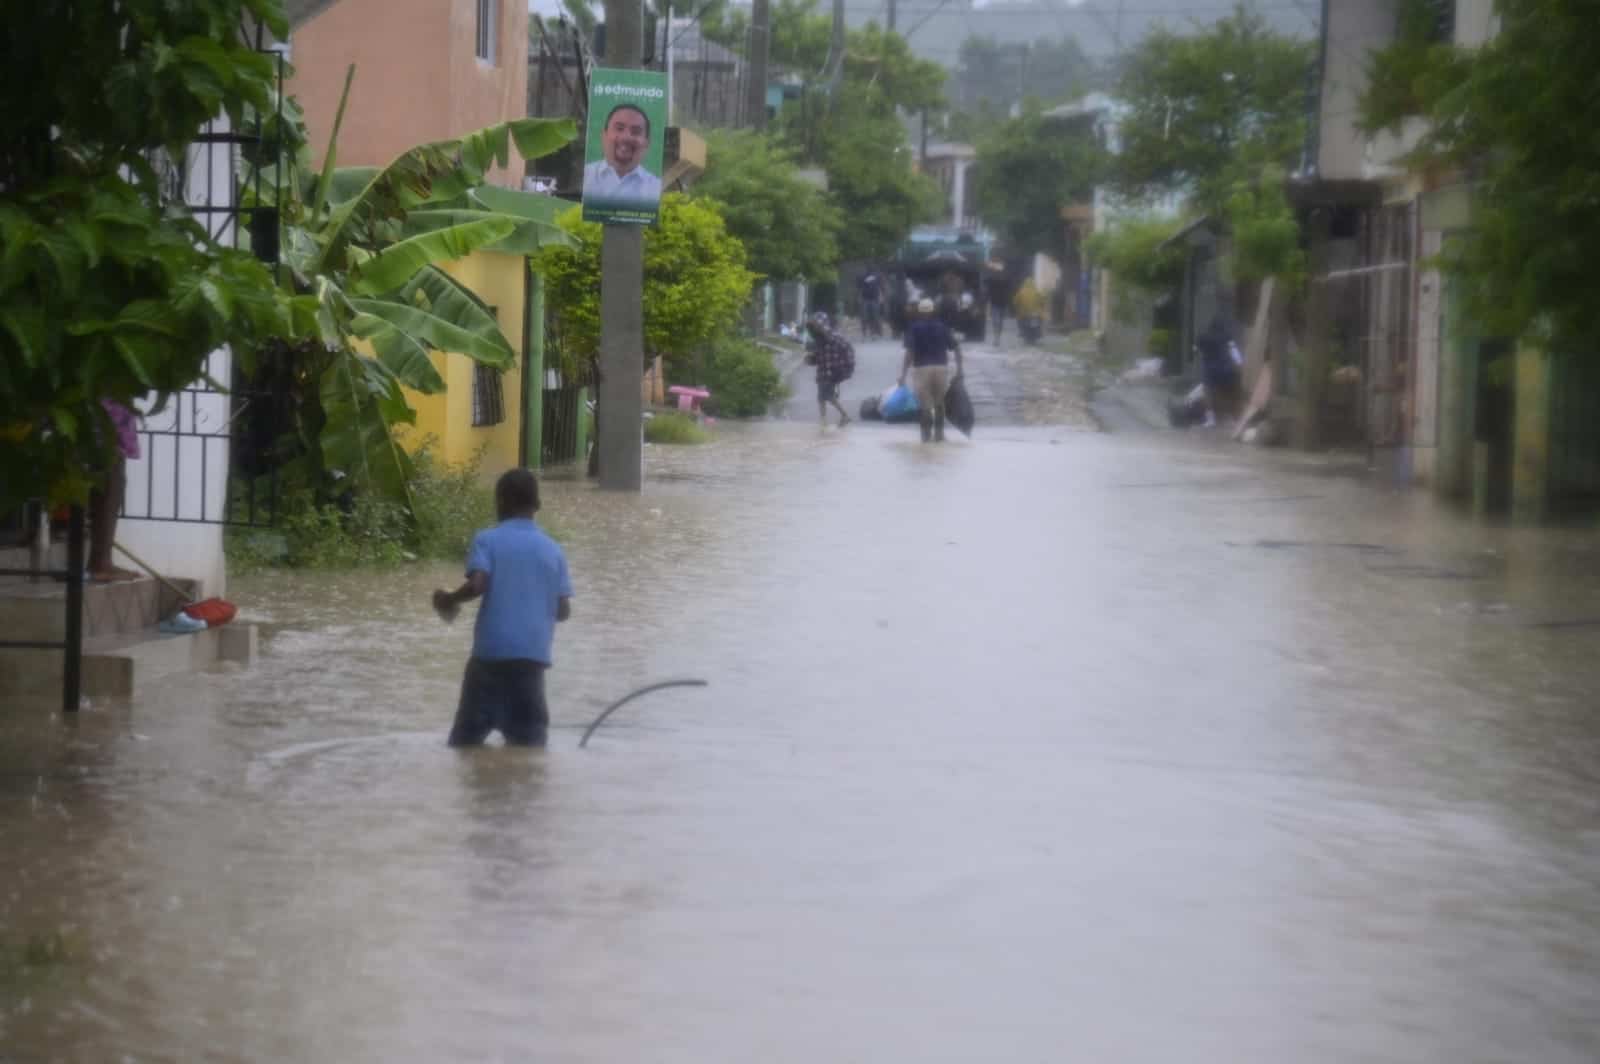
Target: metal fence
565, 409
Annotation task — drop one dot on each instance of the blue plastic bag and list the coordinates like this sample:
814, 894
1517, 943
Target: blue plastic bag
901, 402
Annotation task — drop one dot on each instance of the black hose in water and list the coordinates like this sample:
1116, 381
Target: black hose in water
625, 699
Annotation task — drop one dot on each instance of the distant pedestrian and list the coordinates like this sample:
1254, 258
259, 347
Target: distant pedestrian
1029, 307
835, 360
870, 289
929, 343
521, 575
998, 284
1221, 366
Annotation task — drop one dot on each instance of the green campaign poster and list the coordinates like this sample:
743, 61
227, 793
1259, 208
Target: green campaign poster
627, 127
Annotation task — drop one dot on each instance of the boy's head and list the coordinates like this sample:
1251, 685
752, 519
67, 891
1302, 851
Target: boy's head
516, 494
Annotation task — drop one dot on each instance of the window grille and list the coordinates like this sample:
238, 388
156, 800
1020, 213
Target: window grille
486, 37
488, 402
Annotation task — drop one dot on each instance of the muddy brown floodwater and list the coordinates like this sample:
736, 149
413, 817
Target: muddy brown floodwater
1050, 746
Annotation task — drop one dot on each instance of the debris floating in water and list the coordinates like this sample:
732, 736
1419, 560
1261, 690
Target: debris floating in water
625, 699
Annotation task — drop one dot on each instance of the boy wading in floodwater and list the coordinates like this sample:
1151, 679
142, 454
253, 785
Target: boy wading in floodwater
521, 575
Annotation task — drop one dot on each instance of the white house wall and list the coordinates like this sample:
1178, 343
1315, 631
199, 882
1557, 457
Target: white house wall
172, 522
1355, 27
1475, 22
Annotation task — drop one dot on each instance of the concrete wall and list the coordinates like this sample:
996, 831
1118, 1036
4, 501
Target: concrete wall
447, 417
1354, 28
1425, 404
418, 77
1476, 22
178, 486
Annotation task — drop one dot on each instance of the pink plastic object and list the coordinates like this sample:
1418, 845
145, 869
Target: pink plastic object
689, 399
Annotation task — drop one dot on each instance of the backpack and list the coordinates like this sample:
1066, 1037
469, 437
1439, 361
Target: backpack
847, 360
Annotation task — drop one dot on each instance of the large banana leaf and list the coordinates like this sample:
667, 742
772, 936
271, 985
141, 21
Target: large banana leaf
526, 237
441, 170
433, 311
534, 206
453, 301
362, 401
398, 263
400, 352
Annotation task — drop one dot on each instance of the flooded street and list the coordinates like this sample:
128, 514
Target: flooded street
1047, 746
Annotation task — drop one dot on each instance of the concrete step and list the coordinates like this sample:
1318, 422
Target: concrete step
117, 665
38, 611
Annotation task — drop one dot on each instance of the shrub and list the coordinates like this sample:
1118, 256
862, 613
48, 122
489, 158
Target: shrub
741, 378
674, 428
450, 504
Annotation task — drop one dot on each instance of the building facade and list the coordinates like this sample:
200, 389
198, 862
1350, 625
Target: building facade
425, 70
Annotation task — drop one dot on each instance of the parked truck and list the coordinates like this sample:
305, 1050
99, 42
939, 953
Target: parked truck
946, 266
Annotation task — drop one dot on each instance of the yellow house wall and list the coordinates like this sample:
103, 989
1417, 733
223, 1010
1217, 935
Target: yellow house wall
497, 280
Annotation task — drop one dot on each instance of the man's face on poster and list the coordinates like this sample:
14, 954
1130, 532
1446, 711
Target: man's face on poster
626, 139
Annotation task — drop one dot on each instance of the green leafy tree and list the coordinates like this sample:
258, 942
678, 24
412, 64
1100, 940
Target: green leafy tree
1026, 170
1134, 249
1208, 111
1511, 117
361, 249
1221, 118
854, 133
788, 227
107, 289
696, 283
872, 180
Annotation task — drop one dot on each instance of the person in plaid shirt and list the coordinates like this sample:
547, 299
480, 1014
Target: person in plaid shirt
835, 360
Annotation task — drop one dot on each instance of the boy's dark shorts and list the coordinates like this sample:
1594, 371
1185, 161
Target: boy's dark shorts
505, 696
827, 390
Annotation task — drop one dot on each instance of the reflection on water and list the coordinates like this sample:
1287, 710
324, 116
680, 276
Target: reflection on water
1041, 748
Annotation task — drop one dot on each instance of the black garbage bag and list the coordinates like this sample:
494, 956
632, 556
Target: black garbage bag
958, 406
872, 408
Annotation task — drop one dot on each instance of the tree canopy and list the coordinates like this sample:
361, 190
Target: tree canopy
108, 290
1029, 167
1220, 118
1210, 110
695, 283
1511, 117
855, 134
787, 225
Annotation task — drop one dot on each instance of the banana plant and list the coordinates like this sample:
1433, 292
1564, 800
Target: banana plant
361, 249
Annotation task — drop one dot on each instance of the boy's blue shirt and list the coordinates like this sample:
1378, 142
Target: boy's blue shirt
527, 577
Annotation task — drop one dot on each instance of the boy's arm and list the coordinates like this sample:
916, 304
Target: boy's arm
448, 603
563, 591
905, 364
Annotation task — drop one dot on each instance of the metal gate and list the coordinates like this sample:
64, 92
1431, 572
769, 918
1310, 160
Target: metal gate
203, 457
194, 430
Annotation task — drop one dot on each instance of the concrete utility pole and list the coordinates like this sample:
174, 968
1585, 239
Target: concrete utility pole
620, 410
760, 44
892, 6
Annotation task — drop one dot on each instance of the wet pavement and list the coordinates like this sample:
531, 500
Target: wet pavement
1047, 746
1010, 383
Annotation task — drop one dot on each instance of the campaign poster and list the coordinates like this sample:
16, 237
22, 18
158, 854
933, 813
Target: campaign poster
622, 163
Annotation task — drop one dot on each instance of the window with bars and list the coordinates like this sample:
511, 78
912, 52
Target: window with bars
488, 400
485, 40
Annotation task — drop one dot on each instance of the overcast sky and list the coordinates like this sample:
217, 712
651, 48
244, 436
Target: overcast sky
937, 27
